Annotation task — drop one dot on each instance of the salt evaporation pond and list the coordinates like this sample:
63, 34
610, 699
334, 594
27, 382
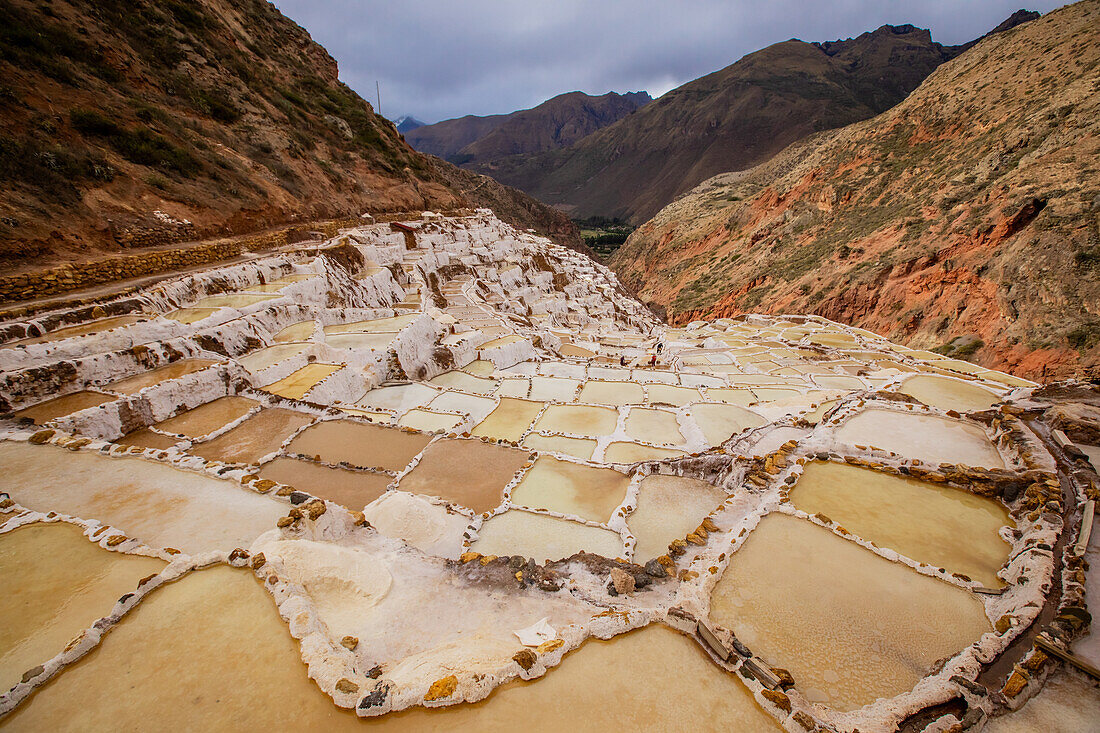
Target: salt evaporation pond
104, 324
626, 452
719, 422
353, 489
849, 625
654, 426
578, 420
255, 438
467, 472
264, 358
359, 444
297, 384
930, 523
543, 537
925, 437
158, 504
65, 405
582, 448
669, 507
175, 370
947, 393
208, 417
429, 421
510, 420
610, 393
571, 488
296, 332
56, 584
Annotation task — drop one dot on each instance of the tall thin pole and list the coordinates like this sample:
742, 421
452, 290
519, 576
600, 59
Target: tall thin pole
378, 91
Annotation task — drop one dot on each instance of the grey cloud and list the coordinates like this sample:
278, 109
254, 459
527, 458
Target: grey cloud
437, 59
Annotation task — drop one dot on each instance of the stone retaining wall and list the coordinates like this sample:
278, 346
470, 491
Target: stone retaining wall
68, 277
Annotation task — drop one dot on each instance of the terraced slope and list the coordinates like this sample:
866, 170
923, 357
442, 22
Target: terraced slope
965, 217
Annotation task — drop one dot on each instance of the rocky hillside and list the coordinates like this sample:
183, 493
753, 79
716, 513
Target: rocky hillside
143, 122
729, 120
966, 218
475, 142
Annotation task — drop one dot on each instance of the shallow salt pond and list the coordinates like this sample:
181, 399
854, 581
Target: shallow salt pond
653, 426
299, 331
297, 384
510, 420
233, 300
378, 325
480, 368
926, 437
56, 584
543, 537
669, 508
571, 488
476, 407
353, 489
146, 438
849, 625
578, 420
626, 452
678, 396
553, 388
948, 394
158, 504
399, 397
610, 393
81, 329
927, 522
270, 356
255, 438
370, 341
207, 418
719, 422
187, 316
65, 405
467, 472
513, 387
465, 382
429, 421
233, 665
578, 447
138, 382
359, 444
731, 396
574, 350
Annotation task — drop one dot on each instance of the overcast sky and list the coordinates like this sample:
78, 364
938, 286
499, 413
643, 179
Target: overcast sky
437, 59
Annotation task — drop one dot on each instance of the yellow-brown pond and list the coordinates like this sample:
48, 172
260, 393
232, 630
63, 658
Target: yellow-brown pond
510, 420
158, 504
849, 625
720, 421
225, 630
146, 438
570, 488
65, 405
429, 421
610, 393
544, 537
299, 331
582, 448
359, 444
578, 419
941, 526
176, 369
104, 324
926, 437
256, 437
653, 426
467, 472
669, 507
190, 315
947, 393
353, 489
627, 452
56, 584
296, 385
264, 358
207, 418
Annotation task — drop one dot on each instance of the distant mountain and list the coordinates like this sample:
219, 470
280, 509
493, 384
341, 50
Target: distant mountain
407, 124
731, 119
962, 219
475, 141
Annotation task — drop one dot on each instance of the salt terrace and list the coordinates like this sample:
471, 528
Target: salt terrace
455, 457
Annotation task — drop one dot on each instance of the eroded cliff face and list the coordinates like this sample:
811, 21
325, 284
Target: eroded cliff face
964, 218
191, 120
